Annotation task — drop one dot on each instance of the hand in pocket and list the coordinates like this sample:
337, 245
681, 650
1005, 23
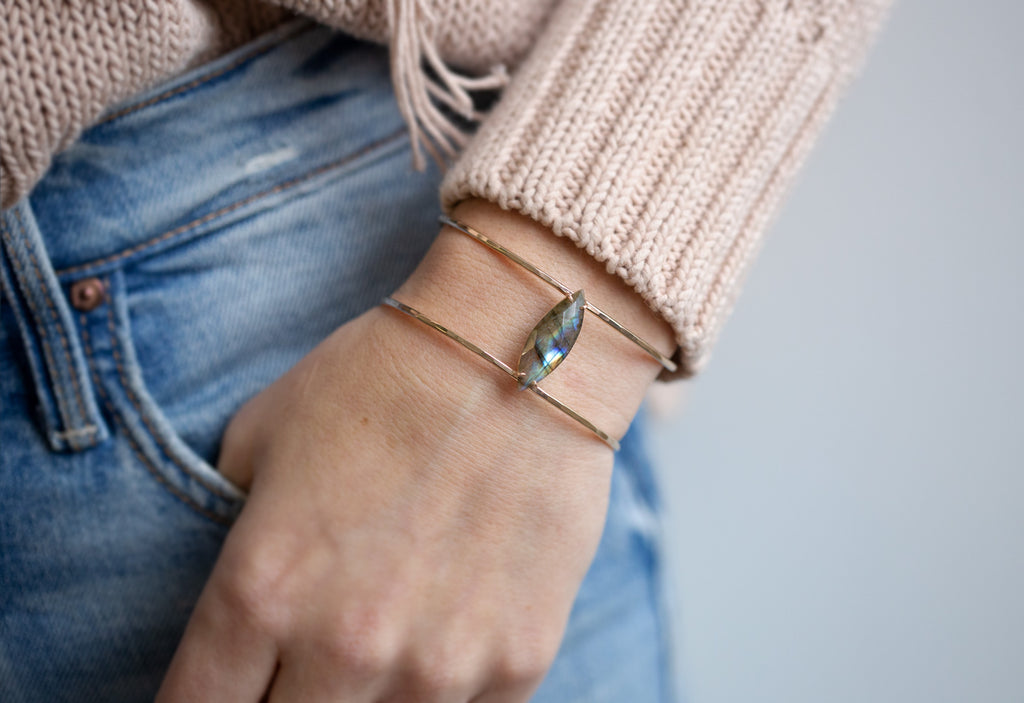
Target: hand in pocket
403, 539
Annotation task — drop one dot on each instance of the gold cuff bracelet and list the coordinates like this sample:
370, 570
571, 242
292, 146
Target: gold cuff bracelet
564, 289
523, 376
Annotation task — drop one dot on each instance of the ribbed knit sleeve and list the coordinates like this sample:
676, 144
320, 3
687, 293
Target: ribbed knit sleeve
660, 136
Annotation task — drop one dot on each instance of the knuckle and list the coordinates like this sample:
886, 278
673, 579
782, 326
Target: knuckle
360, 655
246, 598
251, 590
433, 676
361, 642
526, 661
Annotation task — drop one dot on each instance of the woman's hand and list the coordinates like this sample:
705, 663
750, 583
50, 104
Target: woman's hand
416, 528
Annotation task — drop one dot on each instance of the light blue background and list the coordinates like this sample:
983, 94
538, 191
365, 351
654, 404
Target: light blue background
845, 480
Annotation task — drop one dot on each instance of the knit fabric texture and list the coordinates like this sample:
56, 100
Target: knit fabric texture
659, 136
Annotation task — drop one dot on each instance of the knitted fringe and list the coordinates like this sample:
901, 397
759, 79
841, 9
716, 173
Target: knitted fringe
421, 77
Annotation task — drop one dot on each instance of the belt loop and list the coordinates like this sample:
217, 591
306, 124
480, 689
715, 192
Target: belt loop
66, 398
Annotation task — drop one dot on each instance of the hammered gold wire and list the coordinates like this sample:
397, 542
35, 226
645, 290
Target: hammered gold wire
558, 285
416, 314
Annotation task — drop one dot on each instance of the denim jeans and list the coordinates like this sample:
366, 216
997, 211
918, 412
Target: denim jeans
183, 254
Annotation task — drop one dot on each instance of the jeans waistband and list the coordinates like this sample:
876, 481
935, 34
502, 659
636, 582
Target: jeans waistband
172, 164
192, 152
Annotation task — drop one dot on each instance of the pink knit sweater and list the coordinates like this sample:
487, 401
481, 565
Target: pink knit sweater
659, 135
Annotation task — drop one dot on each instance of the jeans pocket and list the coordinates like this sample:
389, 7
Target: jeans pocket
153, 442
190, 332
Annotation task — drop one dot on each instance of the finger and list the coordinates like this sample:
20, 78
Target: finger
519, 694
427, 686
220, 658
514, 694
311, 680
512, 682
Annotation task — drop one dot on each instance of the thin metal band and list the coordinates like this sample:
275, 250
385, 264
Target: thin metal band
555, 283
414, 313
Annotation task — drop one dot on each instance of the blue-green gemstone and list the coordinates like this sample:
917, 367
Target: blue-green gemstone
550, 341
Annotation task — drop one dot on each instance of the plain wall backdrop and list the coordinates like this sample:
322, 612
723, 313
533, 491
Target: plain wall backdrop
845, 480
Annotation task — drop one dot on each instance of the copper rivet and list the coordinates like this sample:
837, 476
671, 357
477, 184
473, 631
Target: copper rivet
87, 294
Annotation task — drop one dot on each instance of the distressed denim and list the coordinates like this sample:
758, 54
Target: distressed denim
184, 253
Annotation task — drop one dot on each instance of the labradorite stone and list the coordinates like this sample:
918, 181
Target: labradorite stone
550, 341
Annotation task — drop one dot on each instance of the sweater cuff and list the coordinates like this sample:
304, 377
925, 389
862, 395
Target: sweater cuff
660, 137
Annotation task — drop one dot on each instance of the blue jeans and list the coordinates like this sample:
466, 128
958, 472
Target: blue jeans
183, 254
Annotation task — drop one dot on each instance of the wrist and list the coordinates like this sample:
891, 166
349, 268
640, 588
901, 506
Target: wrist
495, 303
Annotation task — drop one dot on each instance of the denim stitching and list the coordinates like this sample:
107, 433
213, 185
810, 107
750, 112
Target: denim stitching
72, 371
39, 370
198, 81
233, 206
47, 351
83, 431
157, 437
123, 426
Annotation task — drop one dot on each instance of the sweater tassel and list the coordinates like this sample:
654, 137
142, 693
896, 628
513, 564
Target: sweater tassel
414, 52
